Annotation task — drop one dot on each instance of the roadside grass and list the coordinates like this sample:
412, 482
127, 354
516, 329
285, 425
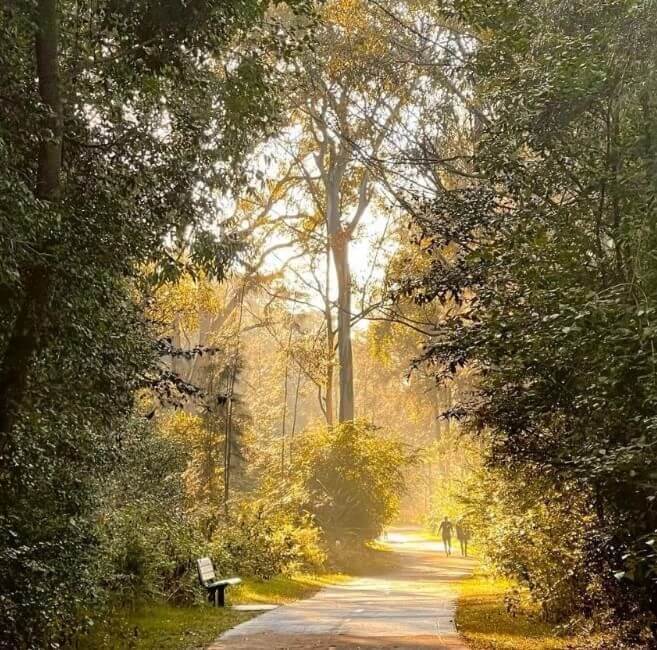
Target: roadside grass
485, 624
165, 626
282, 589
161, 626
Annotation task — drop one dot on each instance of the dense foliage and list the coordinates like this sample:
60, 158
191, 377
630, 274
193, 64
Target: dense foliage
543, 243
180, 182
119, 123
151, 528
352, 479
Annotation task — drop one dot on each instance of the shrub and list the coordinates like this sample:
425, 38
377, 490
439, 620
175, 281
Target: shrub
515, 525
148, 541
352, 478
256, 542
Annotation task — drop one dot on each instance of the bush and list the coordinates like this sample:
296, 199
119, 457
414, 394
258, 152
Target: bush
529, 534
352, 479
149, 553
258, 543
148, 541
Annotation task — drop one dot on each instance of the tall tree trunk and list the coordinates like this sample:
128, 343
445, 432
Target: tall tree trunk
285, 395
228, 430
436, 412
24, 340
330, 369
338, 241
329, 402
340, 248
21, 347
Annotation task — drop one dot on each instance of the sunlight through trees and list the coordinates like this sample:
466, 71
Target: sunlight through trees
277, 275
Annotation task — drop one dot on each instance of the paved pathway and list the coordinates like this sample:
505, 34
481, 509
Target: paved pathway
413, 607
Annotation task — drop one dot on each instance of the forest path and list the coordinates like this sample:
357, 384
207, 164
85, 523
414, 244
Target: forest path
411, 607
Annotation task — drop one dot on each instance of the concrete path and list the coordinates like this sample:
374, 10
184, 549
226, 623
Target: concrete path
413, 607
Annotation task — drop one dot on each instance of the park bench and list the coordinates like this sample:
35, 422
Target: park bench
216, 588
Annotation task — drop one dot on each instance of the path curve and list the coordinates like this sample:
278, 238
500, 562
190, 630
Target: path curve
412, 607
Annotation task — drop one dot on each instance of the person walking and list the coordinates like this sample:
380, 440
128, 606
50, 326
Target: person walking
463, 535
446, 528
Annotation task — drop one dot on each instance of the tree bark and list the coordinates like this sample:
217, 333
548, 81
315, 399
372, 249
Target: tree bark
330, 407
340, 248
330, 343
436, 412
25, 338
21, 347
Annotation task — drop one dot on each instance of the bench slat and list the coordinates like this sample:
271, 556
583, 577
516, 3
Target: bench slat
207, 575
205, 569
227, 581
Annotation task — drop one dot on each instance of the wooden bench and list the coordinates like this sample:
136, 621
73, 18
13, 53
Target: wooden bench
216, 588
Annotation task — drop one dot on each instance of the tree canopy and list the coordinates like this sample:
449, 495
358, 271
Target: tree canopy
545, 250
275, 273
